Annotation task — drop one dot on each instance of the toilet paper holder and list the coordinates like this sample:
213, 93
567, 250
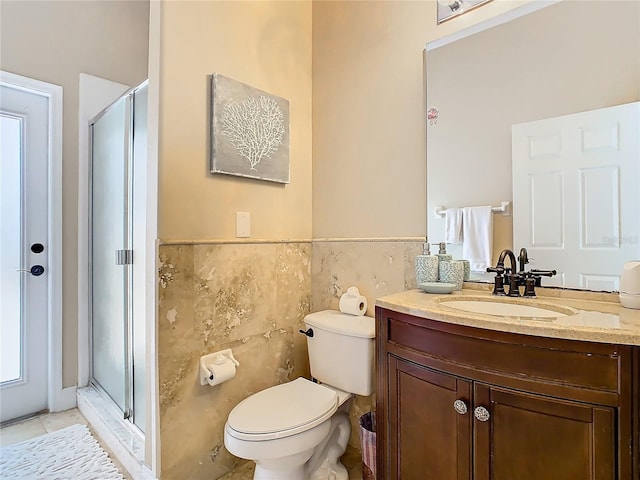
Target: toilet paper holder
216, 358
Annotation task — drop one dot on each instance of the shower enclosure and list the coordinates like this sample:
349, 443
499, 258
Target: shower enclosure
118, 140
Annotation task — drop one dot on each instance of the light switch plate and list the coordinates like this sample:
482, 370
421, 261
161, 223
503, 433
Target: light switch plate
243, 224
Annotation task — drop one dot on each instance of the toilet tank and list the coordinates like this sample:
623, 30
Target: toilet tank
341, 350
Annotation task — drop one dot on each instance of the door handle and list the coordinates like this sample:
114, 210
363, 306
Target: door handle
36, 270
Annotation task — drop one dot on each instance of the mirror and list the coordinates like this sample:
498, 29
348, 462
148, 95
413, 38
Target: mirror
565, 58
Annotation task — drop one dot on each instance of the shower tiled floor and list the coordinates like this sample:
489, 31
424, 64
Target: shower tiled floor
46, 423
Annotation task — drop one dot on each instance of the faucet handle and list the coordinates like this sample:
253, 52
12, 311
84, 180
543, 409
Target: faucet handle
498, 281
543, 273
498, 286
537, 275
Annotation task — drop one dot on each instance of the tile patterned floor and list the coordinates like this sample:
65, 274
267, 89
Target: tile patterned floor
41, 424
47, 423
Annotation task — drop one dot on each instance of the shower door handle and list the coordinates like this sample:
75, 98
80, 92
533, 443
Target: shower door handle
124, 257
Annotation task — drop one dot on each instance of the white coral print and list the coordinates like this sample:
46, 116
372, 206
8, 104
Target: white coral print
255, 127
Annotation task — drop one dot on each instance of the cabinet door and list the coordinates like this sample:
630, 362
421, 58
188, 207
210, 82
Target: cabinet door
529, 437
427, 437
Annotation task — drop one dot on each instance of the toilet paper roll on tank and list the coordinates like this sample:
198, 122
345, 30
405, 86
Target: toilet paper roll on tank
352, 302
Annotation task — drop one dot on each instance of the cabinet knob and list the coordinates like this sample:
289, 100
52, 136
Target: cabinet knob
460, 407
481, 414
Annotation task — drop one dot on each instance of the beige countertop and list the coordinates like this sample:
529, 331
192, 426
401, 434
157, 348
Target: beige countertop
587, 316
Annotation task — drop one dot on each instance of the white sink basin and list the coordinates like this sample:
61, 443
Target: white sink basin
507, 308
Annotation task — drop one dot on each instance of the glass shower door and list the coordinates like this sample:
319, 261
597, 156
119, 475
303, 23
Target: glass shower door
111, 252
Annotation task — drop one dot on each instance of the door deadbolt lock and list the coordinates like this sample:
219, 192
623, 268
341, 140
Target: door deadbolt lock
36, 270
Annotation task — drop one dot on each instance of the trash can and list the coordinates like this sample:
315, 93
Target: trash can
368, 445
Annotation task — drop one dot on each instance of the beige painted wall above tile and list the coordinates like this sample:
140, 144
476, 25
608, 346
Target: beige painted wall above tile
369, 145
265, 44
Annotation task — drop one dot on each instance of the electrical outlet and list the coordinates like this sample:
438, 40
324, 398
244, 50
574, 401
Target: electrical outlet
243, 224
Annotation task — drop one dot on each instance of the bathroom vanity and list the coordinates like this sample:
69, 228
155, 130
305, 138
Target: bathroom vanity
476, 396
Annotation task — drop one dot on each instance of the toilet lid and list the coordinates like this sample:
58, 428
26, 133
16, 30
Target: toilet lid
283, 410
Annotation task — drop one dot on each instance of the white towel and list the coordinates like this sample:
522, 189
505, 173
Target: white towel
477, 229
453, 225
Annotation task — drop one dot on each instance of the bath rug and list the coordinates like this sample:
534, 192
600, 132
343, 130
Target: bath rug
68, 454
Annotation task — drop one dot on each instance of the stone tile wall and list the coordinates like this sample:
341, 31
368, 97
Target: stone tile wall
251, 297
377, 268
248, 297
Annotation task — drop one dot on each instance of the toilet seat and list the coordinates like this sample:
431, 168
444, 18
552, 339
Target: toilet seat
282, 411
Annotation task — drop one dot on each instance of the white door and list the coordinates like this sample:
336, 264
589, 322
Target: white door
576, 194
24, 155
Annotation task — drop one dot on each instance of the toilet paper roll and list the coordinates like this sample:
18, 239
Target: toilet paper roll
221, 372
353, 303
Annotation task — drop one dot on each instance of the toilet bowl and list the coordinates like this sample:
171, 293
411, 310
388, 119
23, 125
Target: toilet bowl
300, 429
283, 427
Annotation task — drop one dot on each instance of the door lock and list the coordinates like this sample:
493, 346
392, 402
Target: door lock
36, 270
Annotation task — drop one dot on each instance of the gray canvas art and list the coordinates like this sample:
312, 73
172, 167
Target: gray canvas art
249, 131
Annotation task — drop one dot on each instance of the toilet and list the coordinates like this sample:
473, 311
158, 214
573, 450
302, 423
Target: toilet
300, 429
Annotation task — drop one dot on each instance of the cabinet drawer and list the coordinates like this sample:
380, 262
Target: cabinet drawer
562, 362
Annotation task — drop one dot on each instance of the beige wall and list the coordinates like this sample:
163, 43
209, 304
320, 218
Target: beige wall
368, 136
264, 44
55, 42
369, 146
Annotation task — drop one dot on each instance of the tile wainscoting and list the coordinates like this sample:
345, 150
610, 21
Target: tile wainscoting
252, 296
375, 266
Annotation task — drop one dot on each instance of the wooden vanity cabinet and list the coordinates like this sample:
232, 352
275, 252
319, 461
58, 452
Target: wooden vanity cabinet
462, 403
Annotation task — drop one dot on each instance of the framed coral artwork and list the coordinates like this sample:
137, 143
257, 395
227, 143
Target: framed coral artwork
249, 131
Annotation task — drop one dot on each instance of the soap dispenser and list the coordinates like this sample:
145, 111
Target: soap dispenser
442, 253
426, 266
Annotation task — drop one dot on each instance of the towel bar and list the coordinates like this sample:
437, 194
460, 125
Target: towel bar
503, 209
